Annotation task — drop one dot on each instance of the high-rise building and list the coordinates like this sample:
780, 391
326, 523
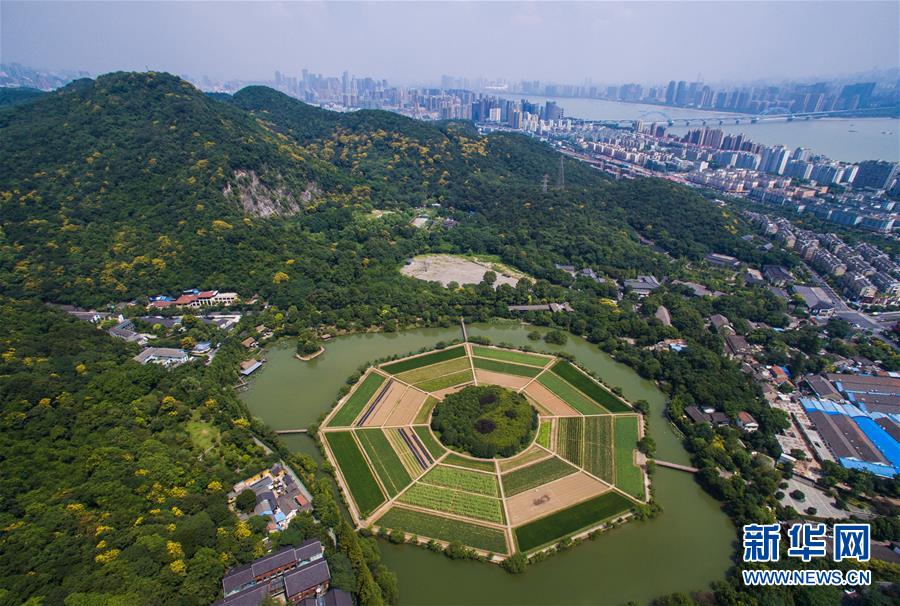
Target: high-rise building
670, 93
774, 160
681, 93
801, 153
876, 174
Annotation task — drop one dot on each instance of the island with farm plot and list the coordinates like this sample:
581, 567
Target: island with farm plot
500, 450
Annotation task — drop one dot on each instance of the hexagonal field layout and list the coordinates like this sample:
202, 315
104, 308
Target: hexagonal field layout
579, 471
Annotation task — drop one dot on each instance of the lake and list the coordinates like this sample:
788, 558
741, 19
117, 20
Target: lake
638, 561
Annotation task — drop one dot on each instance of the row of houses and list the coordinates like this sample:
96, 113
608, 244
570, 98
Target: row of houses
280, 495
865, 273
294, 575
195, 298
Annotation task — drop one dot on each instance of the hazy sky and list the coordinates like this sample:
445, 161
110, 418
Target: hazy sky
417, 42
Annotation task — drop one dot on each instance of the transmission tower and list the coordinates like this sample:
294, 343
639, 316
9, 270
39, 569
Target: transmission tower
561, 179
544, 182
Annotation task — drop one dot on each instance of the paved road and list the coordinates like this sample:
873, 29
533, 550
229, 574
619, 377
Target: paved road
877, 324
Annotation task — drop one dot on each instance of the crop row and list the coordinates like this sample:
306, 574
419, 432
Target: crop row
446, 381
506, 367
444, 529
510, 355
357, 400
455, 459
543, 437
598, 447
525, 478
435, 370
429, 441
362, 485
570, 395
462, 479
590, 387
569, 521
569, 438
426, 360
454, 501
628, 475
387, 464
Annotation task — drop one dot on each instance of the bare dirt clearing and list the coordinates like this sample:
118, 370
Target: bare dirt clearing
450, 268
548, 400
486, 377
550, 497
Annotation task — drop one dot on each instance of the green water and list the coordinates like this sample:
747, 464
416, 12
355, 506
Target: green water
684, 549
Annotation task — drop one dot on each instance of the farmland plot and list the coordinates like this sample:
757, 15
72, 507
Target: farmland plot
430, 442
425, 360
629, 476
543, 472
441, 383
569, 394
506, 367
547, 498
569, 521
454, 501
387, 464
362, 485
435, 370
444, 529
509, 355
357, 401
462, 479
589, 387
598, 447
570, 439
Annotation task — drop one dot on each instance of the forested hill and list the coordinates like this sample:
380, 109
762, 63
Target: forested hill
138, 183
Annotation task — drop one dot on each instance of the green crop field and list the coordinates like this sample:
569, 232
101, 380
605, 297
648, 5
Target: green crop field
508, 355
434, 447
444, 529
454, 501
435, 370
568, 521
506, 367
461, 479
425, 411
410, 463
526, 457
570, 395
426, 360
525, 478
589, 387
387, 464
455, 459
543, 437
362, 485
569, 438
598, 447
357, 401
628, 475
446, 381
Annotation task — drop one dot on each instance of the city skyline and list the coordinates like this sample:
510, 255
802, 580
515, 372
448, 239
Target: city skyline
552, 42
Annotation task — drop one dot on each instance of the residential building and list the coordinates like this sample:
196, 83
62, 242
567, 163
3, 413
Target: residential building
642, 285
165, 356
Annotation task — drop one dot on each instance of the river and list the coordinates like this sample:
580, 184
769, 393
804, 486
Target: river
846, 139
684, 549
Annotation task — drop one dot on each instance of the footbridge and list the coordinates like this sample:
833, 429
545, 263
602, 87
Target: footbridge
677, 466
